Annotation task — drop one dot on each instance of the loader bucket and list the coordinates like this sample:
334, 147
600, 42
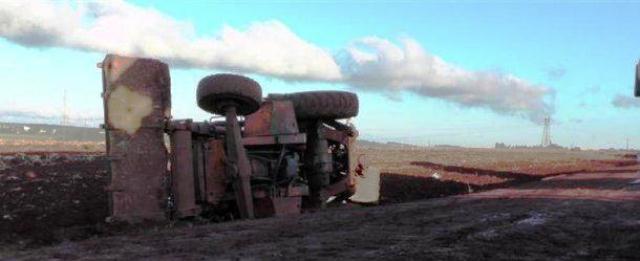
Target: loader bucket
136, 95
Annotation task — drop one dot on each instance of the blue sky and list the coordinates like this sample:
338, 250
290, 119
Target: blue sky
583, 53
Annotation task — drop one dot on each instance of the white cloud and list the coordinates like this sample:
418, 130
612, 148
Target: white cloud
268, 48
379, 64
38, 23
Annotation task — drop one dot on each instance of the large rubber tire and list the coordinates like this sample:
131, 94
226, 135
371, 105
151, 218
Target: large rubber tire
215, 92
322, 104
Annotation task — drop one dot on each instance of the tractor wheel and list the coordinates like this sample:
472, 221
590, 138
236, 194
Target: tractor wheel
322, 104
220, 90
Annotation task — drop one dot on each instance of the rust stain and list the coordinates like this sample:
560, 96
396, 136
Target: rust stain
117, 67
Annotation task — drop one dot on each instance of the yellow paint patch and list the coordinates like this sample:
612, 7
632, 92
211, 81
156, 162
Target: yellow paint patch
127, 108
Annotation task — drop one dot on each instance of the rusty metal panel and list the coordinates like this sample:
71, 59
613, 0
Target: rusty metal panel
182, 175
238, 166
216, 180
273, 118
300, 138
136, 95
199, 149
336, 135
355, 167
259, 122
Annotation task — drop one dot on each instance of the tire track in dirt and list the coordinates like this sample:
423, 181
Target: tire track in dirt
397, 188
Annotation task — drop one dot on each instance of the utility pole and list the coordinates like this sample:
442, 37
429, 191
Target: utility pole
627, 143
65, 113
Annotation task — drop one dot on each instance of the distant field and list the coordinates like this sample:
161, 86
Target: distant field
411, 174
30, 131
532, 161
24, 137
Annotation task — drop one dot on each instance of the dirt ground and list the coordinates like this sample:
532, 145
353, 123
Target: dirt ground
9, 146
49, 197
527, 205
409, 174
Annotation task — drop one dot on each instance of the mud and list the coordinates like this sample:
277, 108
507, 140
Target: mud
49, 197
504, 224
56, 206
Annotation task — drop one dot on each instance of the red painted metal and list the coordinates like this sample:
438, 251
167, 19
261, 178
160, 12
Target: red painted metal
216, 181
199, 150
273, 118
299, 138
182, 180
337, 136
238, 165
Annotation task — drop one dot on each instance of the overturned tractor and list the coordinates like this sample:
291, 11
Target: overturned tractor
283, 154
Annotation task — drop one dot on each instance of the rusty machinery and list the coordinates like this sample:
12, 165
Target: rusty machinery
287, 154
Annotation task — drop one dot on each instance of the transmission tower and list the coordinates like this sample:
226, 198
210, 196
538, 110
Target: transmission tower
65, 113
546, 133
